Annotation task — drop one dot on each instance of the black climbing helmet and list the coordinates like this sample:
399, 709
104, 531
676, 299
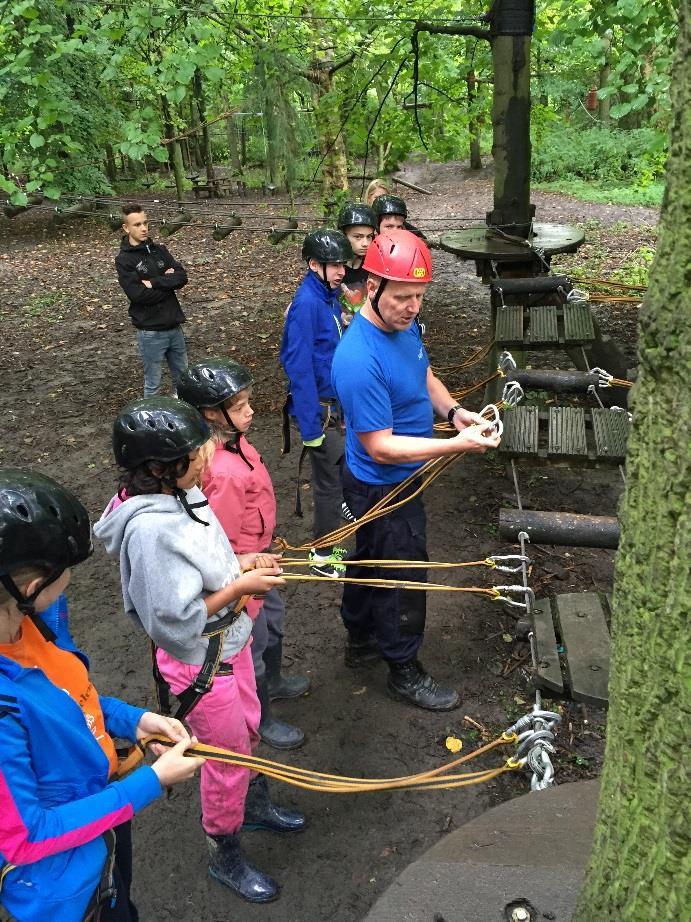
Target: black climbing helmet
357, 213
213, 381
389, 204
42, 524
327, 246
157, 429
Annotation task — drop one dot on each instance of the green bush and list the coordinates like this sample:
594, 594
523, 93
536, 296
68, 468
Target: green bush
636, 157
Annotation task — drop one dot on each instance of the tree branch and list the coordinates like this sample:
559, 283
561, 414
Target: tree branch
456, 29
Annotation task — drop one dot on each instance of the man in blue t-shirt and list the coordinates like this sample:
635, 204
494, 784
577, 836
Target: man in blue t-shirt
383, 380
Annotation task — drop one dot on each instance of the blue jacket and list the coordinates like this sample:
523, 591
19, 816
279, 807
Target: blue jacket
311, 333
55, 798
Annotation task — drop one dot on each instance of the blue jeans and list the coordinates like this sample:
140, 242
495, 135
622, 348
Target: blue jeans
156, 345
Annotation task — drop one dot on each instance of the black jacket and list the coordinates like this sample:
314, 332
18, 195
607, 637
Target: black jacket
155, 308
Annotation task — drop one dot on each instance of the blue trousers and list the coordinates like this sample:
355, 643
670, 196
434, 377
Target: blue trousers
396, 617
154, 347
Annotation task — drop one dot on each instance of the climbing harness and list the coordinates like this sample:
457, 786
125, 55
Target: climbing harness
210, 668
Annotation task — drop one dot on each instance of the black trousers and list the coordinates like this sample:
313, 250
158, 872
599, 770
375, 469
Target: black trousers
124, 909
396, 617
327, 493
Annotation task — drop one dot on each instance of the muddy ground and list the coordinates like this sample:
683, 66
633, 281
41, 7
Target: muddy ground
68, 364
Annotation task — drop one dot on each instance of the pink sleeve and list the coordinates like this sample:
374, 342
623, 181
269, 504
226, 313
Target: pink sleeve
226, 497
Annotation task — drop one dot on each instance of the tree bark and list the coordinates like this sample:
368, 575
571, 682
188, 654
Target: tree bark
111, 169
200, 102
473, 123
639, 868
174, 152
233, 142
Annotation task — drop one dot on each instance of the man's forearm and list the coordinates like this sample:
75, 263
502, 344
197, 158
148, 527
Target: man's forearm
407, 449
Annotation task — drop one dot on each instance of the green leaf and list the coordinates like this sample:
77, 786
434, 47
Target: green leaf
18, 198
159, 154
52, 192
37, 140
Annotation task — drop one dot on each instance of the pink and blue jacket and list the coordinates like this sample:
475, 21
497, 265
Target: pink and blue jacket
56, 800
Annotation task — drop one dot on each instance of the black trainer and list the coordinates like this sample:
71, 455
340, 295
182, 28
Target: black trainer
361, 652
229, 866
409, 682
262, 813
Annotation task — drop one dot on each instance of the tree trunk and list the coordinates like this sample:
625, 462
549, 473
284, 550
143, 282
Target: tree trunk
473, 122
331, 145
111, 169
200, 100
233, 144
605, 70
511, 133
639, 868
174, 152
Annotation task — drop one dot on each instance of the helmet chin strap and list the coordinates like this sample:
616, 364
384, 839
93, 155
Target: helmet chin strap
26, 604
375, 300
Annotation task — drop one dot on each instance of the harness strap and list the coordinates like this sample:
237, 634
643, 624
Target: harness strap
210, 668
106, 891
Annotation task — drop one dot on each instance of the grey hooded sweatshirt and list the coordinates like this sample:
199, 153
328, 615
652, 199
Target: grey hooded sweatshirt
168, 564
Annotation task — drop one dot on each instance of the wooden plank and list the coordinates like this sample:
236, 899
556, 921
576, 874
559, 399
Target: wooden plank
611, 432
548, 674
520, 431
543, 324
509, 326
578, 323
586, 641
567, 432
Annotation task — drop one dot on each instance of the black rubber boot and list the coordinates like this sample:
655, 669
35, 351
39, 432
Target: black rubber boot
229, 866
361, 651
274, 732
410, 682
261, 813
282, 686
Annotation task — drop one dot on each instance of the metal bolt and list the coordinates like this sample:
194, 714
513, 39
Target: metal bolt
594, 668
520, 914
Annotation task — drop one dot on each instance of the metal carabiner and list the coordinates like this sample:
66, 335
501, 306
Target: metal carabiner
521, 558
507, 362
525, 591
495, 422
512, 394
577, 294
604, 377
543, 737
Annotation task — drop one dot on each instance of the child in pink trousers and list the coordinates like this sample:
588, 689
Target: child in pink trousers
238, 487
181, 582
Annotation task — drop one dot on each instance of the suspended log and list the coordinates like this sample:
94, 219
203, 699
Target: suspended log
549, 379
221, 231
541, 284
168, 228
411, 185
560, 528
276, 236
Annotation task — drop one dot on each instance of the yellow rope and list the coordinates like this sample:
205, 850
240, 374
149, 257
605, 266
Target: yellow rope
468, 363
392, 584
433, 779
394, 564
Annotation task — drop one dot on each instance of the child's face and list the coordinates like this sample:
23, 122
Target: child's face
375, 193
360, 237
240, 412
136, 226
335, 272
194, 471
391, 222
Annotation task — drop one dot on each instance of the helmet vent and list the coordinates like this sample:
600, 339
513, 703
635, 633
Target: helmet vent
170, 425
151, 424
55, 512
130, 425
22, 510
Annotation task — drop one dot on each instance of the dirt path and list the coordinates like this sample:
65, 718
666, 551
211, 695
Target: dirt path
69, 362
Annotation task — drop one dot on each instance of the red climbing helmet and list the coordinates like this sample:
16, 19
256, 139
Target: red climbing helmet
399, 256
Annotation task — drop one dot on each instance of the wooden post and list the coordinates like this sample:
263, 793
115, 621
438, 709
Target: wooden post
512, 24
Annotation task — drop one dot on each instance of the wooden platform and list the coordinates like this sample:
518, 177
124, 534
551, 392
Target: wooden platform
545, 325
574, 433
573, 644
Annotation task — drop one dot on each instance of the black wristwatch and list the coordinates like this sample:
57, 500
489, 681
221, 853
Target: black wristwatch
452, 412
